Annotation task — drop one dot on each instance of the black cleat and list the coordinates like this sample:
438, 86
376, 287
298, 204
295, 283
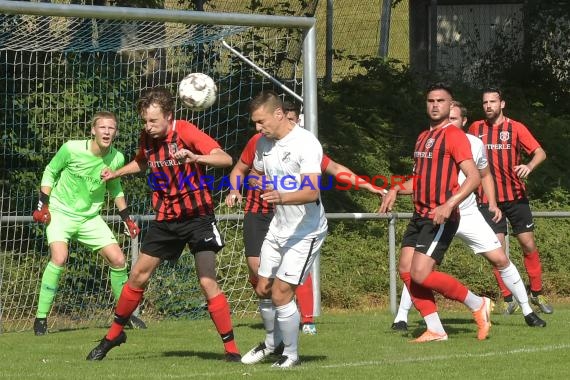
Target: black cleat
233, 357
542, 303
279, 349
534, 320
400, 326
105, 345
40, 326
136, 323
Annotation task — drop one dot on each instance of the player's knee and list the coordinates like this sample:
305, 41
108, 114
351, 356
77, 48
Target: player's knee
114, 255
501, 262
59, 261
138, 279
528, 246
418, 275
209, 285
282, 298
117, 262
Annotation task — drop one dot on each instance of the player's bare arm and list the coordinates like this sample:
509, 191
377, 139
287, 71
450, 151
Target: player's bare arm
390, 198
489, 189
473, 180
131, 168
523, 171
237, 175
308, 193
45, 189
335, 169
217, 158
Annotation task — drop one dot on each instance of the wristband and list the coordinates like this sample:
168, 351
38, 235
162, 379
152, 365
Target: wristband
44, 198
124, 214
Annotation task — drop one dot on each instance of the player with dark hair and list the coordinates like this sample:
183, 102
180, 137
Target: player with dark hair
258, 214
505, 139
440, 153
174, 152
289, 157
70, 203
477, 234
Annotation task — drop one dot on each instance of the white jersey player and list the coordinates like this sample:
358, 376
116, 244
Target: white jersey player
288, 166
478, 235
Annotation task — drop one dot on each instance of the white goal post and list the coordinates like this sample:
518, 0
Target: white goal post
62, 63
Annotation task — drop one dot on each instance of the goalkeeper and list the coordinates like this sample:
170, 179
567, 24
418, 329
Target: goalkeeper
71, 198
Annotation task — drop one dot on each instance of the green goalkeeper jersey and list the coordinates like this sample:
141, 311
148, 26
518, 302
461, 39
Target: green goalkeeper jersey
74, 175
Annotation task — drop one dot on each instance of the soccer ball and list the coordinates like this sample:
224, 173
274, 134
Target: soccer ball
197, 91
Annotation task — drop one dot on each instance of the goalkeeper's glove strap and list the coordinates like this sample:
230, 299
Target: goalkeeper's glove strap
124, 214
44, 198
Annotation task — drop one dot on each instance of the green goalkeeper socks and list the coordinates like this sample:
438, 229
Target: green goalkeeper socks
50, 280
118, 279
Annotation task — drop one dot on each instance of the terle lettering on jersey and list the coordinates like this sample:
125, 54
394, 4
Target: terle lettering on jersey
425, 154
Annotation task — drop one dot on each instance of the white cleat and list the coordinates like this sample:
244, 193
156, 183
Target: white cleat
256, 354
286, 362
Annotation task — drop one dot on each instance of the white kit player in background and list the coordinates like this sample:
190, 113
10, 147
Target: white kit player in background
288, 162
477, 234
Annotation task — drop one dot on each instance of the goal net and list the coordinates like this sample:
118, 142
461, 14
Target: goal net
56, 72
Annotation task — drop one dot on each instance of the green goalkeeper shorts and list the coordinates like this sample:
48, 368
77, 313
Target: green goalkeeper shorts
92, 232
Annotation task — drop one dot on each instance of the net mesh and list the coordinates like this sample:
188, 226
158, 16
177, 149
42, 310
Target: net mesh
55, 74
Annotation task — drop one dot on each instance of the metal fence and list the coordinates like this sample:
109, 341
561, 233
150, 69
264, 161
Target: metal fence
391, 219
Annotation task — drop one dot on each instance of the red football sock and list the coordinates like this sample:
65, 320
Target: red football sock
304, 295
422, 297
504, 290
126, 305
534, 271
219, 309
446, 285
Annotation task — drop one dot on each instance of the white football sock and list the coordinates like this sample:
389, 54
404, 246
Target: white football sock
269, 315
433, 323
512, 279
405, 305
288, 319
473, 301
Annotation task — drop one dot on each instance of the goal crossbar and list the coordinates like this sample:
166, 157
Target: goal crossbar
307, 24
160, 15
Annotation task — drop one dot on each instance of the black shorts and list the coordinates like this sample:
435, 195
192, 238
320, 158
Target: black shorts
167, 239
255, 227
517, 212
428, 238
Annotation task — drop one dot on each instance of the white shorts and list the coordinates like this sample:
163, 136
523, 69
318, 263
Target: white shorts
476, 233
290, 262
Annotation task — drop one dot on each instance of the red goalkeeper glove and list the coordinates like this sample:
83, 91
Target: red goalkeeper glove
41, 213
131, 227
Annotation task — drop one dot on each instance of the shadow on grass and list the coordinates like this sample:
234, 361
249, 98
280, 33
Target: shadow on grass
198, 354
216, 356
253, 326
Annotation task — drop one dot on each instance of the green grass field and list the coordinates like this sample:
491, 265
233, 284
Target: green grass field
348, 345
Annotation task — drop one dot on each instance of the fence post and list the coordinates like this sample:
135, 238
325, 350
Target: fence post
385, 18
392, 261
329, 43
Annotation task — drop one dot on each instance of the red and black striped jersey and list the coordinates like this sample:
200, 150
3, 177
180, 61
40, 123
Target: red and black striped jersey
178, 189
437, 155
254, 203
504, 142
